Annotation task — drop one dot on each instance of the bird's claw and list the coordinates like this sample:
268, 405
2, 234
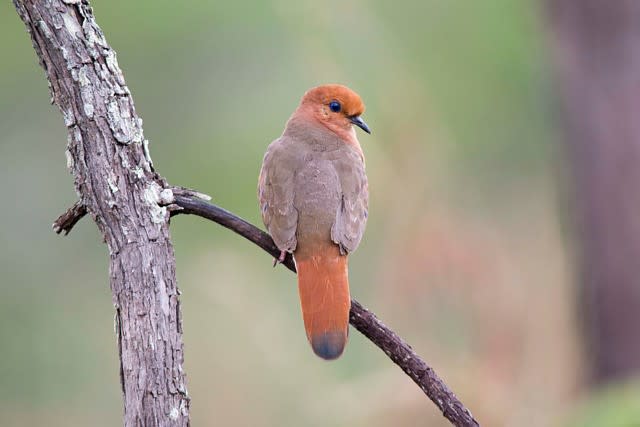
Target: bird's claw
280, 259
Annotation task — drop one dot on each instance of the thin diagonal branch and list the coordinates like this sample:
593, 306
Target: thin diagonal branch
362, 319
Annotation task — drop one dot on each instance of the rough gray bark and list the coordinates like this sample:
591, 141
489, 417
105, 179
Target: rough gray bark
115, 181
597, 47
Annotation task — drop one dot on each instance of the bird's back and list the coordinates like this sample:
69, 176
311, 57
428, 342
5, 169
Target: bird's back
309, 180
313, 198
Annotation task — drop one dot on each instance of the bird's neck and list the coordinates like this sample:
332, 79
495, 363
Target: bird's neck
306, 125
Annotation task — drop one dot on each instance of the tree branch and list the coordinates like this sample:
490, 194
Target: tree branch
362, 319
131, 205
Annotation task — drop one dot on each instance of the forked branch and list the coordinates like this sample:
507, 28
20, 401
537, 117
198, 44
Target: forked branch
130, 202
362, 319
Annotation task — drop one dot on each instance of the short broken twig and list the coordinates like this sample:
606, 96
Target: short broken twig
67, 220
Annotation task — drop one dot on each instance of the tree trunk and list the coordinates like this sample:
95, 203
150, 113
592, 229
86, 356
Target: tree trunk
108, 157
598, 58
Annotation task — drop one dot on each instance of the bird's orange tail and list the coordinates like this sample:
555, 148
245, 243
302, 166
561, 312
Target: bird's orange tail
323, 285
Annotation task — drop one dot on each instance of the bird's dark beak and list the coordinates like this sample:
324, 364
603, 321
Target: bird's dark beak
357, 120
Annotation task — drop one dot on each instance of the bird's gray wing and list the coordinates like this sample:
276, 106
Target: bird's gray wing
276, 194
351, 216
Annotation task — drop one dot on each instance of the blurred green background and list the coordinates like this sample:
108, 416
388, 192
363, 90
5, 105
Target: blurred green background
465, 255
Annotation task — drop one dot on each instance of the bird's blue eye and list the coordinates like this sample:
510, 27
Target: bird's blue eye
335, 106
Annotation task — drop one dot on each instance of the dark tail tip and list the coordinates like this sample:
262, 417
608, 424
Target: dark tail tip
329, 345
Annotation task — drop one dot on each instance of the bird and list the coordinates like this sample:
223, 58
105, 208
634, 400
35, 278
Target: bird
313, 194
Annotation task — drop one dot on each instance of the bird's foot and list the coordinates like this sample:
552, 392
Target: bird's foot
280, 259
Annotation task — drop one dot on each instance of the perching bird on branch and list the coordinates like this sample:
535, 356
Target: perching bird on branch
314, 199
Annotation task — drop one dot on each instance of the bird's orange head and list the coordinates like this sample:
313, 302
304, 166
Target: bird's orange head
336, 107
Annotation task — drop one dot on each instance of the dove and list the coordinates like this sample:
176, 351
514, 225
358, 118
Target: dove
313, 196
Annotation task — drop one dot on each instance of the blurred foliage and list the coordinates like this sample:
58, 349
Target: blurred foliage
464, 253
614, 406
